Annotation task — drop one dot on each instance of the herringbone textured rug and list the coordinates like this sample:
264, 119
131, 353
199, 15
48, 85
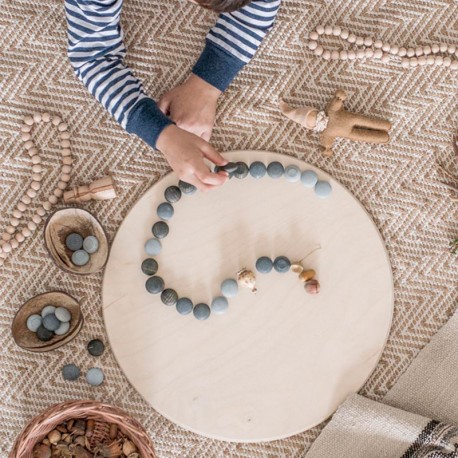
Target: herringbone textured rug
398, 184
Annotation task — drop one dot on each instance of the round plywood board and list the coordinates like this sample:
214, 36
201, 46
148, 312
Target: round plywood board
278, 362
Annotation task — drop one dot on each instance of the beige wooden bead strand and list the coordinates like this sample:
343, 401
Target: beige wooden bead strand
363, 48
14, 235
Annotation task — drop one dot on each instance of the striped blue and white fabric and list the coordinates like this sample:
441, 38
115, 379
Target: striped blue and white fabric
96, 52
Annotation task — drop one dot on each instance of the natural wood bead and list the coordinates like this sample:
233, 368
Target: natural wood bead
443, 47
29, 144
14, 244
413, 62
343, 55
26, 136
17, 214
360, 53
58, 192
36, 219
335, 55
369, 52
26, 199
447, 61
410, 52
37, 177
344, 34
56, 120
41, 211
328, 30
313, 36
430, 60
394, 50
439, 60
32, 151
451, 49
35, 185
336, 31
326, 54
368, 41
435, 48
402, 52
19, 237
67, 160
62, 185
65, 177
36, 159
14, 222
405, 62
10, 229
422, 61
319, 50
6, 237
378, 44
66, 169
25, 128
454, 65
26, 232
37, 168
351, 55
359, 41
352, 38
427, 50
66, 152
65, 135
419, 51
28, 120
31, 193
385, 58
312, 45
31, 225
378, 53
62, 127
320, 30
66, 143
47, 206
46, 117
6, 248
37, 117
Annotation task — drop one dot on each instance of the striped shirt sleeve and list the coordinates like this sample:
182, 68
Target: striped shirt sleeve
234, 40
96, 52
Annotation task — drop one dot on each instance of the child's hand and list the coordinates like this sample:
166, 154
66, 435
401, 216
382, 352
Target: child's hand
192, 106
185, 153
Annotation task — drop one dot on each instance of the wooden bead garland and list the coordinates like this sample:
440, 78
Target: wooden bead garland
368, 48
14, 235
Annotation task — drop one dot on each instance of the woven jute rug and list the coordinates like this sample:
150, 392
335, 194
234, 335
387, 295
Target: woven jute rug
398, 184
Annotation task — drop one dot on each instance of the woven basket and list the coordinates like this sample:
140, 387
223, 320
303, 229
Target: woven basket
44, 423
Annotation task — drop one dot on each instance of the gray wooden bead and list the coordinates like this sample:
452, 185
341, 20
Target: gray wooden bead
323, 189
184, 306
257, 169
44, 334
91, 244
47, 310
71, 372
160, 229
282, 264
94, 376
172, 194
229, 287
150, 266
63, 328
220, 305
34, 322
80, 258
186, 188
292, 173
264, 265
275, 170
201, 311
153, 247
230, 167
63, 314
96, 347
74, 241
309, 178
242, 170
165, 211
169, 296
51, 322
154, 285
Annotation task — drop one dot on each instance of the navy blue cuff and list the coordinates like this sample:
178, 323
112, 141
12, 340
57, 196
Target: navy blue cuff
147, 121
217, 67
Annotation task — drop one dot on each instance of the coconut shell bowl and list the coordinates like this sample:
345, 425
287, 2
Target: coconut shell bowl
75, 220
28, 340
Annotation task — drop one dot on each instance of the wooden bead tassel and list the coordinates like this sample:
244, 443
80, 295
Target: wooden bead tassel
14, 235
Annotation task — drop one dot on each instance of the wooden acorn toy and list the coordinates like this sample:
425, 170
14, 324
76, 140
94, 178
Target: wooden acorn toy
102, 189
337, 122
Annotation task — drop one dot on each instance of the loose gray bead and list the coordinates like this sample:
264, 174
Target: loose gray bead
323, 189
149, 266
309, 178
275, 170
44, 334
292, 173
91, 244
172, 194
47, 310
169, 296
242, 170
187, 188
264, 265
184, 306
94, 376
230, 167
201, 311
229, 287
160, 229
71, 372
165, 211
220, 305
51, 322
257, 169
153, 247
34, 322
63, 328
80, 258
154, 285
74, 241
282, 264
63, 314
96, 347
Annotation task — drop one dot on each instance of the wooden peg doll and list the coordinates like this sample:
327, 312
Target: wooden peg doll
102, 189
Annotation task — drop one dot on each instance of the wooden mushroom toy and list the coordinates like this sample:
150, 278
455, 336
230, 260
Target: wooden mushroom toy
337, 122
102, 189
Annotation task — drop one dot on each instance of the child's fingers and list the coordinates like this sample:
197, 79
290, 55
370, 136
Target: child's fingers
211, 154
164, 105
209, 178
206, 135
